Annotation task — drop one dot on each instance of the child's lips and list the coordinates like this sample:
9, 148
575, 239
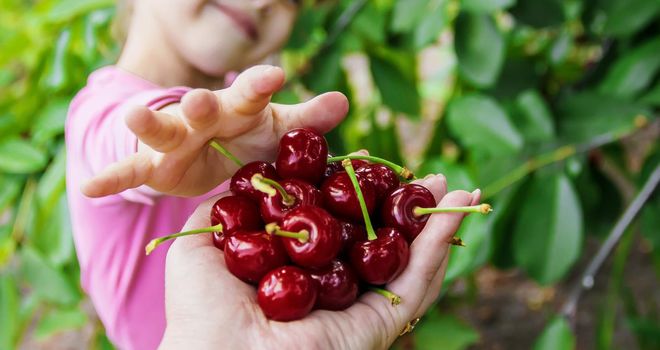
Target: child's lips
242, 19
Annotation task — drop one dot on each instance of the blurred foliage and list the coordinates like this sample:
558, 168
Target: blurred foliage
522, 98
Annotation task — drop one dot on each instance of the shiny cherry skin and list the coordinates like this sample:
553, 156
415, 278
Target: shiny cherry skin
337, 286
335, 167
340, 199
287, 293
235, 212
249, 255
273, 208
381, 260
398, 207
351, 233
241, 181
383, 179
303, 155
324, 240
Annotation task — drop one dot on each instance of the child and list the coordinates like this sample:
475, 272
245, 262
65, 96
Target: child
137, 135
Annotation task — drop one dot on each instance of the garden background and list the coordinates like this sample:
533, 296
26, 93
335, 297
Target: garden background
550, 107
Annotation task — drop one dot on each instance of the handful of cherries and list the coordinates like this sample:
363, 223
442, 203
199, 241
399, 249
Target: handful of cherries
301, 230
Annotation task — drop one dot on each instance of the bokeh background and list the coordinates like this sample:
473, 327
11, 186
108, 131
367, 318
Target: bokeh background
550, 107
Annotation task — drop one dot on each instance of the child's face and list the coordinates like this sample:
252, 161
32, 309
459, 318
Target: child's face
217, 36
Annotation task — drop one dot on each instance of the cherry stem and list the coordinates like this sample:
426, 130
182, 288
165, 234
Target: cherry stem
456, 241
371, 235
274, 229
157, 241
481, 208
400, 170
226, 153
393, 298
271, 187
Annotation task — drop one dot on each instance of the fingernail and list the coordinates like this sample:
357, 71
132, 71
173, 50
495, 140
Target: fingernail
429, 176
476, 193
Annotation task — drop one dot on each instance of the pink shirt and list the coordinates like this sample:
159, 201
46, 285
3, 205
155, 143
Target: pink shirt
126, 287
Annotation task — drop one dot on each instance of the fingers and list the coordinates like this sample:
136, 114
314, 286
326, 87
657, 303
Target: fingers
321, 113
160, 131
434, 288
128, 173
200, 108
251, 91
428, 252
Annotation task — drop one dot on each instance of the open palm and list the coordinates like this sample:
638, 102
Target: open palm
174, 156
207, 307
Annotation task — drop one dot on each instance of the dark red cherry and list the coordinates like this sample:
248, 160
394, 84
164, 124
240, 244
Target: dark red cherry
351, 233
398, 206
234, 213
335, 167
303, 155
340, 199
249, 255
381, 260
324, 236
240, 182
286, 293
381, 177
273, 208
337, 286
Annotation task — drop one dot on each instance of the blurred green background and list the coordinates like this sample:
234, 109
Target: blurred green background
550, 107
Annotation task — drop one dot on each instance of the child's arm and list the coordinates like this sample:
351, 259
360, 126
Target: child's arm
173, 155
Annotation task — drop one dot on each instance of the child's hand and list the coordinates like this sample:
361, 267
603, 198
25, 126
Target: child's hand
174, 156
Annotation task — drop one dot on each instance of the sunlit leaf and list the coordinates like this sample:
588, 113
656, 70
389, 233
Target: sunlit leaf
479, 48
58, 320
20, 157
625, 17
48, 282
633, 72
9, 319
446, 332
556, 336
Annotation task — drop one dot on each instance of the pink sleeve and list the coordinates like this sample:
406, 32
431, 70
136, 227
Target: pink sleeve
108, 140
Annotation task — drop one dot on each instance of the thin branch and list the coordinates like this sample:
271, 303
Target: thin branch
586, 282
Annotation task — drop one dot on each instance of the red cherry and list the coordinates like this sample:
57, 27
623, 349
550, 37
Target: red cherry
249, 255
339, 197
323, 236
381, 260
335, 167
338, 286
286, 293
240, 182
398, 207
273, 208
234, 213
351, 233
303, 155
381, 177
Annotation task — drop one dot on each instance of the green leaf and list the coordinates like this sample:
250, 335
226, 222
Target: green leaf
50, 121
66, 10
57, 74
458, 178
48, 282
485, 6
652, 97
431, 24
308, 20
626, 17
446, 332
548, 234
589, 114
538, 14
407, 14
479, 48
58, 320
560, 48
480, 123
476, 233
20, 157
633, 72
9, 319
397, 91
326, 72
11, 188
53, 234
536, 122
52, 183
370, 23
556, 336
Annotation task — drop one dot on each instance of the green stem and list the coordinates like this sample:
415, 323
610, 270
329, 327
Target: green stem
371, 235
157, 241
274, 229
400, 170
393, 298
269, 187
481, 208
226, 153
